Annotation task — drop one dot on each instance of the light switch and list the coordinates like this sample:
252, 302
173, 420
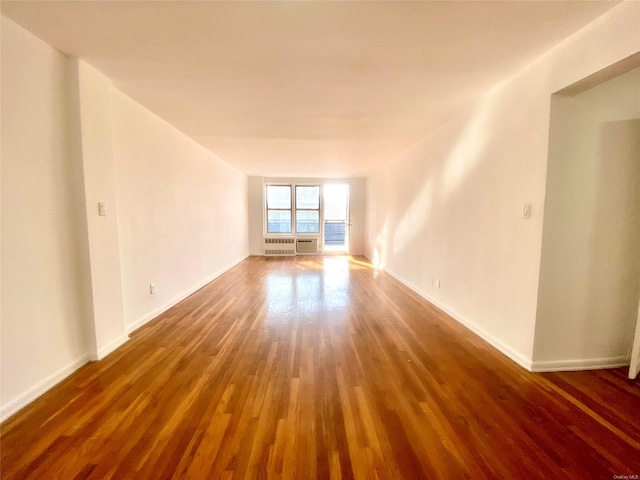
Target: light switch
526, 210
102, 209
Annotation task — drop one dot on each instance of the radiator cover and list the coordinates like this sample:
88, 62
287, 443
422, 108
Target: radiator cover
279, 246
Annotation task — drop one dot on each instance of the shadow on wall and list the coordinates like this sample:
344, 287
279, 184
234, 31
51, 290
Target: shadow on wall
380, 246
590, 263
614, 256
431, 181
442, 201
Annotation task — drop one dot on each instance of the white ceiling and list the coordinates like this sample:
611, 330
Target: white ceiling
305, 88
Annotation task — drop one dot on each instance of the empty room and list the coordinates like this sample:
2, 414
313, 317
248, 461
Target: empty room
320, 239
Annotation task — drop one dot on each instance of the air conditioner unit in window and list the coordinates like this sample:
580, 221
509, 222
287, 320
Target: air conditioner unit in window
307, 245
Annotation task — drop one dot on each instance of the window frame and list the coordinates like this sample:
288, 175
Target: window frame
290, 209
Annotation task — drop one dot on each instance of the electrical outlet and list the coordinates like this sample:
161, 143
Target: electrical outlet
436, 282
152, 288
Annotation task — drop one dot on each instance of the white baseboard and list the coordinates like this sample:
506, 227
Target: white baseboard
111, 346
486, 336
533, 366
41, 387
52, 380
580, 364
177, 299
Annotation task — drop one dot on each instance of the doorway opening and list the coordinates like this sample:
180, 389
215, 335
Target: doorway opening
335, 230
590, 262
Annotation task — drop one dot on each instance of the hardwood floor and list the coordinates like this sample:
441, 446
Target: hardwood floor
320, 367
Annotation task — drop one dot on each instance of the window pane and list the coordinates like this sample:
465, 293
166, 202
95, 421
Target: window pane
307, 221
308, 197
335, 202
278, 196
279, 221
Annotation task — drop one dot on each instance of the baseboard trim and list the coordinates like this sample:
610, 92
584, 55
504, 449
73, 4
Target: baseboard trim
486, 336
579, 364
177, 299
52, 380
42, 387
111, 346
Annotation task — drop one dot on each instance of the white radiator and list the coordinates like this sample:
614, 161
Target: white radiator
278, 246
307, 245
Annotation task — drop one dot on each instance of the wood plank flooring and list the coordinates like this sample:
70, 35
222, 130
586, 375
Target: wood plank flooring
320, 367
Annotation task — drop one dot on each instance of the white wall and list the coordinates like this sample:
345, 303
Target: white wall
182, 212
46, 312
357, 196
99, 186
256, 215
72, 280
451, 207
590, 267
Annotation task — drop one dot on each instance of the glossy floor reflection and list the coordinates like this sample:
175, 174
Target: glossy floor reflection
309, 288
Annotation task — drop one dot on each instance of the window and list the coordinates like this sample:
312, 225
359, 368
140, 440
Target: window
308, 209
282, 206
278, 208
